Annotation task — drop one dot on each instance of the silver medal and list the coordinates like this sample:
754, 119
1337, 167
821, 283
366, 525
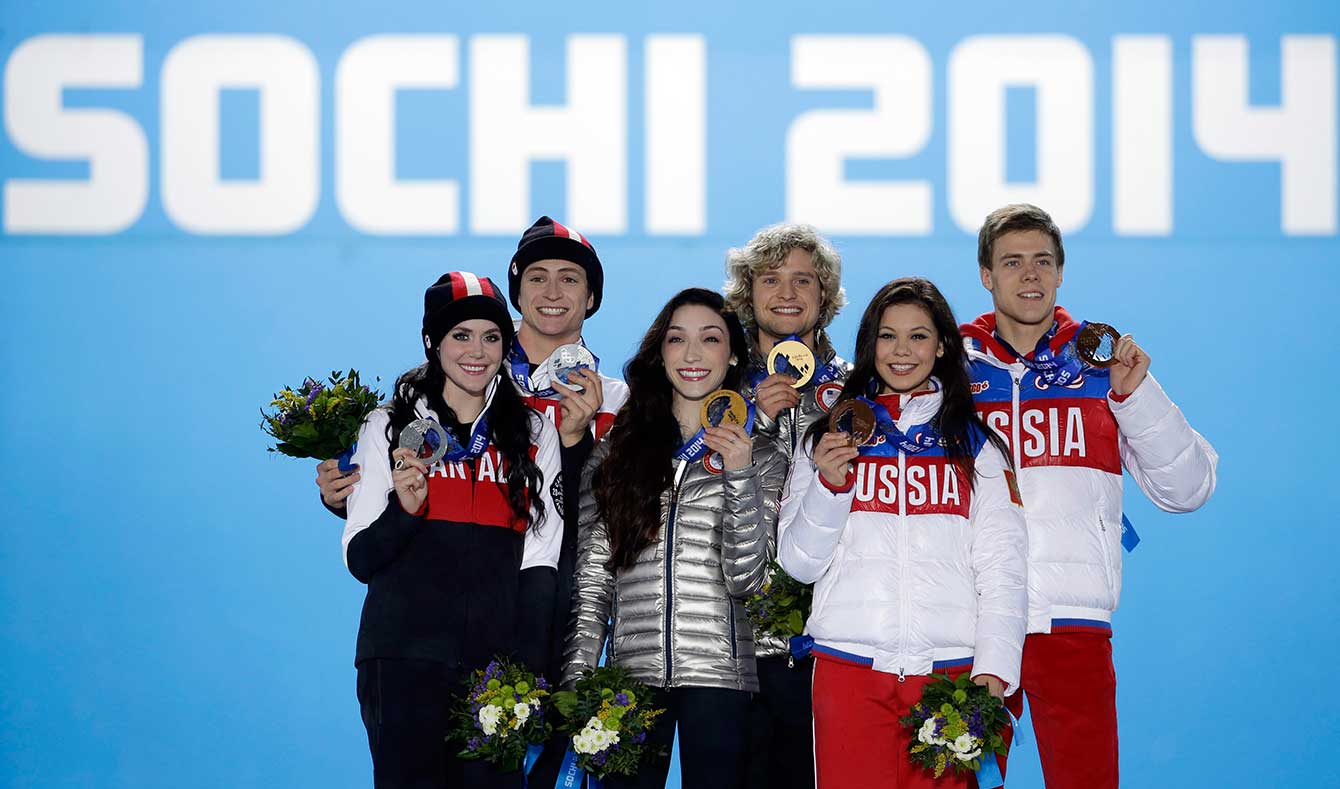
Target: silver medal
427, 439
566, 360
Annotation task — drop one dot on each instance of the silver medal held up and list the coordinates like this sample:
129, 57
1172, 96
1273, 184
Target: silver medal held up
566, 360
427, 439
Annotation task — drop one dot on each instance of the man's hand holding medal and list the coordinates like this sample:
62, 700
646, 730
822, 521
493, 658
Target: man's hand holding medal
572, 373
1100, 345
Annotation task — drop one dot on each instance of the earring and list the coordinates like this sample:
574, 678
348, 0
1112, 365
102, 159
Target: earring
732, 361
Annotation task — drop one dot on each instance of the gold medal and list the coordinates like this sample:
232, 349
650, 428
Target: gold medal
1097, 344
793, 358
723, 407
854, 418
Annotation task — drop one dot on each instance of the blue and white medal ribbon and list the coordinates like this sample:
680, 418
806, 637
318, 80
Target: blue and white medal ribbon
570, 776
479, 441
923, 436
1057, 368
696, 447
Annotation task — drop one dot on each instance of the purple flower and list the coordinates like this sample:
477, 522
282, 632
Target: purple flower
600, 758
639, 738
316, 389
939, 726
474, 744
621, 699
542, 683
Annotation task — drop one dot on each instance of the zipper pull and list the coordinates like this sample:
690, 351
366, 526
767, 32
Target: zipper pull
902, 675
1102, 525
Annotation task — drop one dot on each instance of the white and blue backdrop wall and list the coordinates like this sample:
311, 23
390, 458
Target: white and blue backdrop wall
205, 201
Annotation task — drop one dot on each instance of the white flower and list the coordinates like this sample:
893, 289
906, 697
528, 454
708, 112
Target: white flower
522, 712
963, 744
488, 718
595, 723
927, 733
967, 757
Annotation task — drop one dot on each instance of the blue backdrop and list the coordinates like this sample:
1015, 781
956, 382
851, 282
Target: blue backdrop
173, 606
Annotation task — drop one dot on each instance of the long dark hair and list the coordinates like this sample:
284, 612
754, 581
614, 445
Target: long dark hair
957, 421
645, 435
509, 429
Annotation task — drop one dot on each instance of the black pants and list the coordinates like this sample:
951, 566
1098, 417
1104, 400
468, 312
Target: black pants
713, 740
406, 707
781, 752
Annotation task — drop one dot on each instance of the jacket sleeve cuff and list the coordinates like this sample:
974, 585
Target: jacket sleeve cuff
846, 485
1142, 408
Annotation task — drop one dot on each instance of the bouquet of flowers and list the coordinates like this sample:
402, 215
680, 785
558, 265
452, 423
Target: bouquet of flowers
319, 420
958, 724
501, 715
606, 720
781, 607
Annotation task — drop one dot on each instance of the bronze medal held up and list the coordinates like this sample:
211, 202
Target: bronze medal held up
1096, 344
854, 418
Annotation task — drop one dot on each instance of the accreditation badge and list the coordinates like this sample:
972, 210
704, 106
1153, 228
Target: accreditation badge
724, 407
427, 439
854, 418
1096, 344
566, 360
793, 358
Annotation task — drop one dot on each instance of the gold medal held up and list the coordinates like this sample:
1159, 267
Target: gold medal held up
1097, 344
854, 418
793, 358
723, 407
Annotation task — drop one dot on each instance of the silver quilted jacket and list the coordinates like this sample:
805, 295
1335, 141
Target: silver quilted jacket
678, 612
788, 430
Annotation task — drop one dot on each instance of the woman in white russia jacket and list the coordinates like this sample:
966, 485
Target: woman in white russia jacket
915, 542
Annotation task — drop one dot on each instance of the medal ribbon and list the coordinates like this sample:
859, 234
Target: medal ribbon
696, 447
518, 368
1057, 368
479, 441
895, 439
822, 374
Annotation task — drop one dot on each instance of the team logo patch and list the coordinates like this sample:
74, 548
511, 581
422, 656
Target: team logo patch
714, 463
827, 394
1013, 482
556, 492
977, 387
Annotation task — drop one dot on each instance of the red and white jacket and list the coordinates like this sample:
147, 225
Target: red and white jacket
915, 570
1070, 444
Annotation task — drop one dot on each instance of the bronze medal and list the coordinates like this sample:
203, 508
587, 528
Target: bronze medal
793, 358
724, 407
854, 418
1097, 344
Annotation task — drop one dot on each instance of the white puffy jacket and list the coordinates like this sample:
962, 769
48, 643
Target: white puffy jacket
1070, 444
914, 569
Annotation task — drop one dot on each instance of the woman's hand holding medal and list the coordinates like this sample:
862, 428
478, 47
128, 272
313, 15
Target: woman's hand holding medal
410, 476
733, 444
834, 456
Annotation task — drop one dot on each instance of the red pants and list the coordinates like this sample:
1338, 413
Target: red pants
1072, 694
858, 741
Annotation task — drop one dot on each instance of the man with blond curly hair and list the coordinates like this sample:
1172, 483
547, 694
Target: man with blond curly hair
786, 283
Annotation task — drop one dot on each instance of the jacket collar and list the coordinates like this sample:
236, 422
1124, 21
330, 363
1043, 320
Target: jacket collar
981, 336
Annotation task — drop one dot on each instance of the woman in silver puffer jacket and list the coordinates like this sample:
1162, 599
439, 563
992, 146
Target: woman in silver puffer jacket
675, 524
